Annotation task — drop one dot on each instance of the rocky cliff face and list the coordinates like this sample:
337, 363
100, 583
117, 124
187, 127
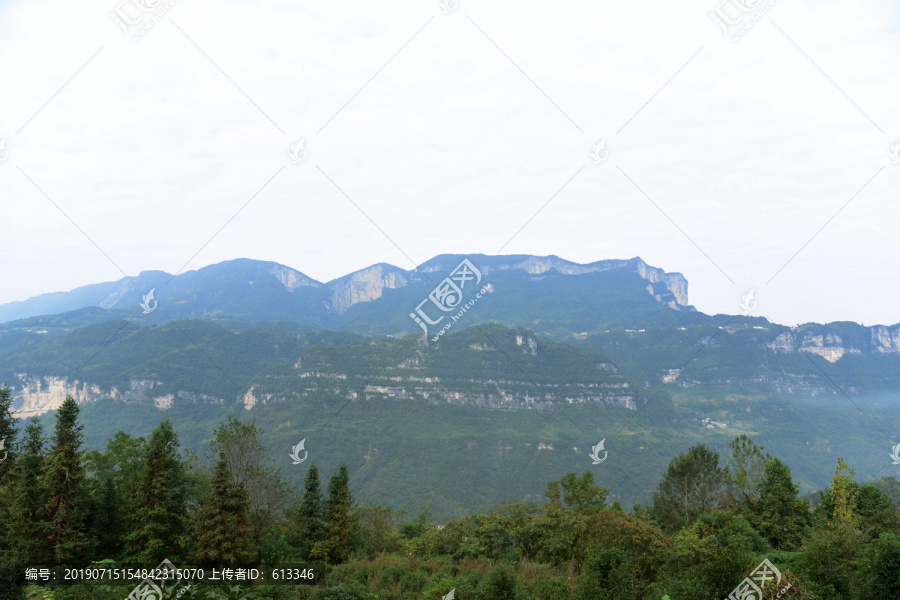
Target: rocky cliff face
444, 375
292, 279
676, 283
125, 287
368, 284
832, 347
365, 285
536, 265
35, 396
506, 394
886, 340
38, 395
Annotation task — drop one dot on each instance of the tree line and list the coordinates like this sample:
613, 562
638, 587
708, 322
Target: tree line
712, 518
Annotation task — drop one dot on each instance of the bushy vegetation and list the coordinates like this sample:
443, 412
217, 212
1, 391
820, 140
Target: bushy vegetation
712, 520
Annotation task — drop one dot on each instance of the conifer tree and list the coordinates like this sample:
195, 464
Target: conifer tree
340, 516
29, 526
7, 455
114, 476
8, 434
310, 515
63, 475
222, 526
158, 516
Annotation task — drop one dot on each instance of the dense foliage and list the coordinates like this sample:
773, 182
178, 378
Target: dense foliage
713, 519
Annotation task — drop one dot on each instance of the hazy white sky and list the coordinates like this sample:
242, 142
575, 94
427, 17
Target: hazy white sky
451, 130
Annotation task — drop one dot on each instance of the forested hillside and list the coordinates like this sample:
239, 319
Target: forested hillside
717, 522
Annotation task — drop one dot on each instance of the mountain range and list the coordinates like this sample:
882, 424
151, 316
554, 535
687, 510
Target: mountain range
365, 300
491, 370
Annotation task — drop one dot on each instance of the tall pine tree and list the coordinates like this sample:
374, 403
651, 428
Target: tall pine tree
29, 525
158, 515
8, 434
223, 530
340, 523
311, 517
63, 475
7, 456
114, 477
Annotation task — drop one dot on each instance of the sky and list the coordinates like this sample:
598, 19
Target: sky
753, 158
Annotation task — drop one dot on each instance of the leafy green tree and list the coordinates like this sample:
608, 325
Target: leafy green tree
876, 510
554, 496
644, 545
872, 500
503, 583
829, 558
580, 493
551, 534
693, 484
844, 496
29, 526
418, 527
607, 575
158, 516
890, 486
883, 576
778, 514
550, 588
378, 529
825, 565
223, 533
251, 465
711, 556
64, 474
340, 517
746, 470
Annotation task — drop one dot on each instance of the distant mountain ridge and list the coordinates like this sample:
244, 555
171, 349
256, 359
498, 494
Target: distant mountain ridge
556, 357
268, 291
